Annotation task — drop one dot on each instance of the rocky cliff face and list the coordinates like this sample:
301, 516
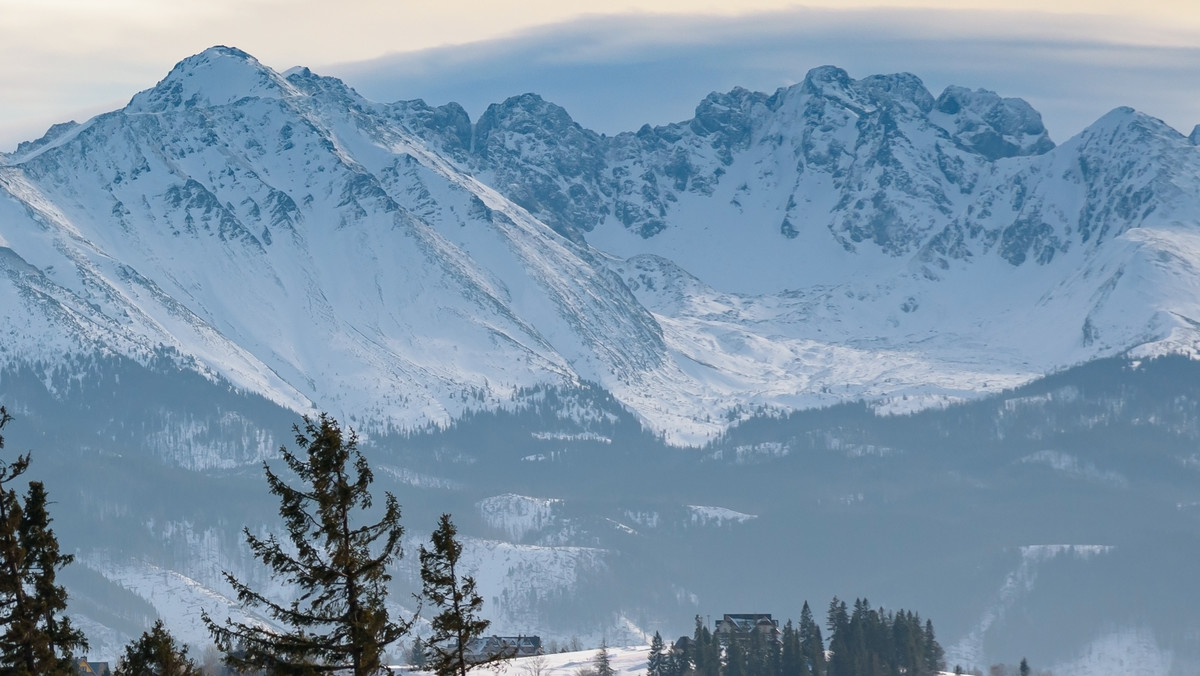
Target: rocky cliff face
180, 277
324, 250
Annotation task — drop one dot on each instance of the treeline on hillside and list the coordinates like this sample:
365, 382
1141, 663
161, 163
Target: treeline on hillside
339, 564
862, 642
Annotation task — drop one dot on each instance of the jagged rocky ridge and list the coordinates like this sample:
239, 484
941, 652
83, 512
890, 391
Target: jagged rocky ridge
237, 244
837, 239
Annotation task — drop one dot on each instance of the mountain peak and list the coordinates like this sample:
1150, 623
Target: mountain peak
903, 89
527, 114
215, 77
1126, 126
828, 74
995, 127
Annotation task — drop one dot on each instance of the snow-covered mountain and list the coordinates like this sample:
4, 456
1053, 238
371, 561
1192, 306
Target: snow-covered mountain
570, 311
836, 240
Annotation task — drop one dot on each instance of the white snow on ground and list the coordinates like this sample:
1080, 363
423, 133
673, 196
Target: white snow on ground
306, 246
511, 578
564, 436
416, 479
178, 599
517, 515
748, 453
1073, 466
629, 660
514, 578
969, 649
625, 660
1127, 652
719, 516
303, 244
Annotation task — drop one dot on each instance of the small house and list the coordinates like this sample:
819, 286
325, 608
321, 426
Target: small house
85, 668
740, 626
490, 647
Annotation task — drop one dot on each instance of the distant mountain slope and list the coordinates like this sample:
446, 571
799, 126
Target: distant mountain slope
529, 323
838, 239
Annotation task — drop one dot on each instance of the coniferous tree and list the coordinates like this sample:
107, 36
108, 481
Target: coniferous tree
761, 654
908, 642
1024, 668
935, 656
875, 642
696, 650
812, 647
837, 617
735, 660
855, 654
681, 657
676, 663
774, 663
458, 623
418, 655
656, 665
791, 659
708, 651
838, 623
338, 620
36, 639
156, 653
602, 662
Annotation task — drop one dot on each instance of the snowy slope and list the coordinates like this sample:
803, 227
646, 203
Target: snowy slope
400, 264
296, 272
840, 239
623, 659
515, 579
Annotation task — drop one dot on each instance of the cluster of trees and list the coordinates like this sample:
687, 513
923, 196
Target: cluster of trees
339, 622
869, 642
35, 637
862, 642
333, 555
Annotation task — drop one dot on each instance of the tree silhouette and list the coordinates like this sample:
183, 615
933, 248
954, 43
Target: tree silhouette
458, 623
156, 653
36, 639
338, 621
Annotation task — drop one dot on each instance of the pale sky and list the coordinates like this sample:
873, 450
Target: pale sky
64, 59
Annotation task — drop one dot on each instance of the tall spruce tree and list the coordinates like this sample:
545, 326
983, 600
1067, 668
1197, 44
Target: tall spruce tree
735, 659
841, 653
156, 653
791, 661
706, 651
812, 647
697, 655
657, 665
760, 653
602, 661
36, 639
458, 623
418, 655
908, 643
676, 662
935, 656
338, 566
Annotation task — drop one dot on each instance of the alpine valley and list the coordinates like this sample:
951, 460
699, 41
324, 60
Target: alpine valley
846, 338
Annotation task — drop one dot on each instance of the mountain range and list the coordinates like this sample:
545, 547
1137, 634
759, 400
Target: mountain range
839, 239
238, 246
